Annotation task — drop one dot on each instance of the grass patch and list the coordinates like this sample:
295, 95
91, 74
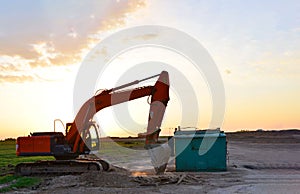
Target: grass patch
10, 182
6, 179
131, 144
9, 159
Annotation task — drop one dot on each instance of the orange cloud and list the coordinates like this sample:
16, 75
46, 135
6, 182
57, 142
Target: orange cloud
16, 78
118, 18
61, 39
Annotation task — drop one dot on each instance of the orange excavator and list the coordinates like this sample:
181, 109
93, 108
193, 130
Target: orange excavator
81, 137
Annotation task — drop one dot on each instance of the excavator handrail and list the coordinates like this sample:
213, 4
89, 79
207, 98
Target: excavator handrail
126, 85
54, 122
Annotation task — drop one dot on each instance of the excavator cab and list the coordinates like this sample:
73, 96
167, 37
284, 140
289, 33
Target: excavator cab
91, 137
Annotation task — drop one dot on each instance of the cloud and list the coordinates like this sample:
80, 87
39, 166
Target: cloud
46, 52
14, 64
51, 33
15, 69
16, 78
4, 67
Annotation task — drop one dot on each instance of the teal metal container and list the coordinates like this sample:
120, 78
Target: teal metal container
203, 150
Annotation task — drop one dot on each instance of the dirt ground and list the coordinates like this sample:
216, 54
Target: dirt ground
258, 162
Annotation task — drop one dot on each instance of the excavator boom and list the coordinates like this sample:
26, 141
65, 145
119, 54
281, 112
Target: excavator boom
159, 98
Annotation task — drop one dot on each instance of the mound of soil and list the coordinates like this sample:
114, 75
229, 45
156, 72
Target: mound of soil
107, 179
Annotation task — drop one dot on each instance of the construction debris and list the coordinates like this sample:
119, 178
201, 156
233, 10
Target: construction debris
154, 180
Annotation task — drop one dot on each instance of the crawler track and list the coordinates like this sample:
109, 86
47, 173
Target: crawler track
60, 167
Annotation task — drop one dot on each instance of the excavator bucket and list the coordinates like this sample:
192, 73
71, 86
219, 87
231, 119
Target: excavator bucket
159, 154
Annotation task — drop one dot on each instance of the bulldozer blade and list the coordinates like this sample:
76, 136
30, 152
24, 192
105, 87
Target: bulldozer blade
160, 155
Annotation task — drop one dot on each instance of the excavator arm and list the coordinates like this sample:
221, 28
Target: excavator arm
159, 99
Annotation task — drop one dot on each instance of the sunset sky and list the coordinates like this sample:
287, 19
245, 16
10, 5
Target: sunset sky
255, 44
